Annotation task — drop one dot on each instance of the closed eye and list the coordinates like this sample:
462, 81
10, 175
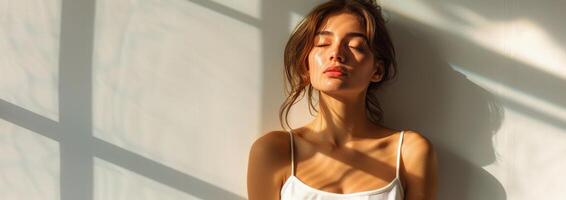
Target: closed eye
360, 48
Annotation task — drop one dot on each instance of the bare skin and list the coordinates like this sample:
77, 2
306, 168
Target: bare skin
341, 151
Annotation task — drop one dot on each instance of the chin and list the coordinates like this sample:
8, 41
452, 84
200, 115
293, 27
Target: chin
334, 90
340, 90
331, 88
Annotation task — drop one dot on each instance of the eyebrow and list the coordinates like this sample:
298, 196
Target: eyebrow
350, 34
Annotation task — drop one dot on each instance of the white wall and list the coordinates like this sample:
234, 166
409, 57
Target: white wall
148, 99
485, 81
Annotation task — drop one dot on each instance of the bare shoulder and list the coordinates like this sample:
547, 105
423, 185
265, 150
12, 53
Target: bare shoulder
414, 142
419, 166
271, 153
272, 143
417, 151
268, 160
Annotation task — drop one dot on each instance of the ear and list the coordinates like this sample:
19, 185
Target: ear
378, 72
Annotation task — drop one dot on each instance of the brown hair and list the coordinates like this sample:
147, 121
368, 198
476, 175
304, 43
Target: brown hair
300, 44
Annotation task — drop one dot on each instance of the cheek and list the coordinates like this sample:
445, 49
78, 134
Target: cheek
316, 60
365, 60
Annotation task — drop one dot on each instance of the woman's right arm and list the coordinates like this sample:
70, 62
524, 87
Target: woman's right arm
266, 166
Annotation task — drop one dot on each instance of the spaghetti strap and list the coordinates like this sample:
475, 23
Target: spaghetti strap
292, 154
399, 153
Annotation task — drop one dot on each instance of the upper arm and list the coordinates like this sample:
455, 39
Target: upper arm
420, 167
266, 165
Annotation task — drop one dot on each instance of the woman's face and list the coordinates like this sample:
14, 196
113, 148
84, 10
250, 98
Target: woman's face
341, 44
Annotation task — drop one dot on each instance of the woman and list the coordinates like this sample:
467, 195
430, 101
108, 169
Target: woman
341, 50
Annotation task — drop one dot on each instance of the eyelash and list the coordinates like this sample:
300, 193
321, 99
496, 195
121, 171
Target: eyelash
323, 45
357, 48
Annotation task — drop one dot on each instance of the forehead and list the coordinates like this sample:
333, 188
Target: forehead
341, 24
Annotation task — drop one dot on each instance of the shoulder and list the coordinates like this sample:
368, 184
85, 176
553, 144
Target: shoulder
414, 142
419, 166
417, 151
268, 160
271, 150
273, 142
418, 155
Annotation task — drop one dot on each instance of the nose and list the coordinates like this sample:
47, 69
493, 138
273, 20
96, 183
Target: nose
337, 55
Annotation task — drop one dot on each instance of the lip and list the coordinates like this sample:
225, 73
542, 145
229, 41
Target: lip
336, 68
334, 73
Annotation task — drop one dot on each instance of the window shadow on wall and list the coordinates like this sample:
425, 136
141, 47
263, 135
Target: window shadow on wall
73, 132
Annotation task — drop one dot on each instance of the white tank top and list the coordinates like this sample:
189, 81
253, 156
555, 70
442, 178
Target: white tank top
295, 189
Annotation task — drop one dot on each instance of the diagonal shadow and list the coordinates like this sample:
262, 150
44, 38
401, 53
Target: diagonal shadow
159, 172
228, 12
29, 120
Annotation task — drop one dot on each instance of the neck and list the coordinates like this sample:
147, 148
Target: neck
341, 119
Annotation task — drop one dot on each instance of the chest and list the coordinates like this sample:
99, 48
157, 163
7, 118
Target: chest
346, 170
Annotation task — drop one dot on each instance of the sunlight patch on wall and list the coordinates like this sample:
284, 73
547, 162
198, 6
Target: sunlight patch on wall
519, 39
29, 42
418, 11
114, 182
523, 40
30, 164
519, 97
